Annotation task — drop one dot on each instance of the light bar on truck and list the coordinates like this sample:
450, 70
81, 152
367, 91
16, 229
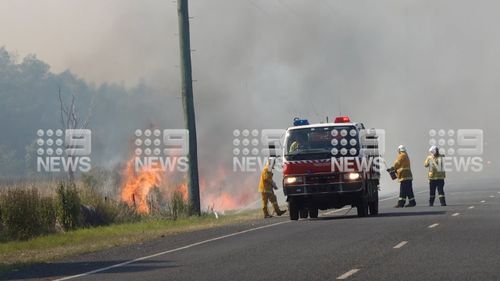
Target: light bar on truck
342, 119
300, 122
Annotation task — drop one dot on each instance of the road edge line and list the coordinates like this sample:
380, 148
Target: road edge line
167, 252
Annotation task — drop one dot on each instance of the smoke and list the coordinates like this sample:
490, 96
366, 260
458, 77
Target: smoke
403, 66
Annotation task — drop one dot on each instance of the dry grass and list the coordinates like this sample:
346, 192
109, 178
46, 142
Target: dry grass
57, 246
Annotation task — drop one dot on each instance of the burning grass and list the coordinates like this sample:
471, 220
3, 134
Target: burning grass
146, 190
126, 207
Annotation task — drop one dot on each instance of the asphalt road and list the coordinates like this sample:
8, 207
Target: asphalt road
457, 242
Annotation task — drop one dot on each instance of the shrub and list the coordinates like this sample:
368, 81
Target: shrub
1, 220
26, 215
48, 215
156, 202
107, 212
100, 213
68, 209
178, 206
96, 209
126, 214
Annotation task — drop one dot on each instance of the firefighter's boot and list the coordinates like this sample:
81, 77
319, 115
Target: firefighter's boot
431, 201
277, 209
411, 203
266, 213
281, 212
401, 203
442, 200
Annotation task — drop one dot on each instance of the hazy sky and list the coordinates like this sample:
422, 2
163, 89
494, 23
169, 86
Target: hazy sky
404, 66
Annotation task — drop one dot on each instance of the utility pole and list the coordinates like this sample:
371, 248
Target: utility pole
188, 105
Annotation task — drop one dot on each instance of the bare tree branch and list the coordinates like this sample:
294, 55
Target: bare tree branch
63, 111
70, 119
89, 114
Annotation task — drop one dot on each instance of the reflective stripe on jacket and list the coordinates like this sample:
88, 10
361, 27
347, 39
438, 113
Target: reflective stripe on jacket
436, 167
402, 167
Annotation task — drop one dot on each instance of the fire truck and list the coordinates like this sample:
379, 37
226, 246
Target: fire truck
330, 165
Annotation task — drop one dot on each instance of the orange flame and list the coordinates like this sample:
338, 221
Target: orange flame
214, 193
136, 187
183, 189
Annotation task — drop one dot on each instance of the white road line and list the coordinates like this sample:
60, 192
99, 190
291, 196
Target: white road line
336, 211
397, 196
348, 274
471, 207
400, 245
455, 214
167, 252
388, 198
433, 225
381, 200
483, 201
492, 196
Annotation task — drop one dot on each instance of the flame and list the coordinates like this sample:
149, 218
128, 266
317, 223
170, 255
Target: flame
215, 194
137, 185
183, 189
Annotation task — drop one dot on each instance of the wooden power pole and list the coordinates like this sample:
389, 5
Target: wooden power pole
188, 104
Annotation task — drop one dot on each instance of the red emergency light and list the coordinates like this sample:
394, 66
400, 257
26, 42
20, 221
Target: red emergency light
342, 119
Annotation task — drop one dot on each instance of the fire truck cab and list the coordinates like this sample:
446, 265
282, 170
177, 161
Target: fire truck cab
330, 165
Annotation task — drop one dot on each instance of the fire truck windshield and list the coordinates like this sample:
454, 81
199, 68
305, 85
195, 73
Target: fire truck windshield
321, 142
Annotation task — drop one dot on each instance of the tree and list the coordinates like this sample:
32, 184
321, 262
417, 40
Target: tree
70, 120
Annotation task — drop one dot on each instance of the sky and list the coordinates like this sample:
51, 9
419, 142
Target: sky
405, 66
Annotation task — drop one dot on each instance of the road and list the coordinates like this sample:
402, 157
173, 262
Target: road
457, 242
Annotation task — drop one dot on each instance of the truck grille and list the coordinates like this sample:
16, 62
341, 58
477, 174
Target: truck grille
321, 179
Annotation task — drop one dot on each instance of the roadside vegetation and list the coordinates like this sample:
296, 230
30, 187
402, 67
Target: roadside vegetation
63, 219
15, 254
26, 213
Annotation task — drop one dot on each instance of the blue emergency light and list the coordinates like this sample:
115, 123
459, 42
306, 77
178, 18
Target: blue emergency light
300, 122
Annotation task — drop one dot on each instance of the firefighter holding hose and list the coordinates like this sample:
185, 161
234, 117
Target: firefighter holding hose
266, 189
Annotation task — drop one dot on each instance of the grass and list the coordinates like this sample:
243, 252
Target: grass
52, 247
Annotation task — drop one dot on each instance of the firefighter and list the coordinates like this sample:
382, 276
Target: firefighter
436, 175
266, 187
294, 146
405, 178
298, 143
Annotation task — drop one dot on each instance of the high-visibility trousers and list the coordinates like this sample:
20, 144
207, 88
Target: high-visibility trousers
269, 196
406, 191
439, 185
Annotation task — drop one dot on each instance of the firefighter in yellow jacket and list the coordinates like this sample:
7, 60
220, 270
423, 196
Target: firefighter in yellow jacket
266, 187
436, 175
405, 178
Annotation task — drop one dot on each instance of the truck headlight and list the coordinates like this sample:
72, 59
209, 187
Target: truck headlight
352, 176
294, 180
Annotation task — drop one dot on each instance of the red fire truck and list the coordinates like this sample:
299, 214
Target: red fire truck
330, 165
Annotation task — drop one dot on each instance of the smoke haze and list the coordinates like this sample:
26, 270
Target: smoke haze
402, 66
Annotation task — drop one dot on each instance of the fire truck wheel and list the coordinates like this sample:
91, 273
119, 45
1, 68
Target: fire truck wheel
313, 213
373, 206
293, 210
362, 206
303, 213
